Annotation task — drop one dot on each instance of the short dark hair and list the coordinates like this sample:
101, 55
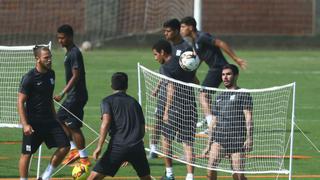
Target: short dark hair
189, 21
162, 45
66, 29
234, 68
37, 50
119, 81
173, 24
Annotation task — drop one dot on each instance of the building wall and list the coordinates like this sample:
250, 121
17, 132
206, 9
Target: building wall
259, 17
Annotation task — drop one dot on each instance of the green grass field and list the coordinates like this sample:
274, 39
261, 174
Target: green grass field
266, 68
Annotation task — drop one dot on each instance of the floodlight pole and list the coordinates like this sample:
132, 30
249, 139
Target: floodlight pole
197, 13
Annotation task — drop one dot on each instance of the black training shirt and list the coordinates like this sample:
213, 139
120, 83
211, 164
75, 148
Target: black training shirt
127, 124
38, 87
74, 60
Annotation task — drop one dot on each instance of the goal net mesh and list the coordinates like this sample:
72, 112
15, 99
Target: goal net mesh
15, 61
271, 119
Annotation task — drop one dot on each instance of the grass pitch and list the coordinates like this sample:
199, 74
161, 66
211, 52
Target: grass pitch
266, 68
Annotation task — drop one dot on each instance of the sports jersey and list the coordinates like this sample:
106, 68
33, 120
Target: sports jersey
207, 52
181, 47
228, 107
127, 124
74, 60
38, 87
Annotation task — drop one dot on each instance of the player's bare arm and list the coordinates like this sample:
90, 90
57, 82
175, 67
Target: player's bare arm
156, 90
170, 92
249, 125
212, 125
106, 121
27, 128
70, 84
226, 48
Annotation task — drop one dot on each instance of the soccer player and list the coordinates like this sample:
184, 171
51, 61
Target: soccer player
232, 125
77, 96
171, 32
208, 49
178, 108
123, 118
38, 116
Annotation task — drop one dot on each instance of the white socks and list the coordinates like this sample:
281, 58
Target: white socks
83, 153
48, 172
153, 148
189, 176
72, 145
169, 171
209, 119
23, 178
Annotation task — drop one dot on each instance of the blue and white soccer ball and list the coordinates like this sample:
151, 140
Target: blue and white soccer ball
188, 61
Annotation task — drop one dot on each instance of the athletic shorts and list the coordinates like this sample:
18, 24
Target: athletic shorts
76, 108
181, 125
232, 142
53, 136
112, 159
213, 78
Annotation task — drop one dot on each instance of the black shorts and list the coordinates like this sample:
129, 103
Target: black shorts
181, 124
76, 108
112, 159
213, 78
52, 134
231, 142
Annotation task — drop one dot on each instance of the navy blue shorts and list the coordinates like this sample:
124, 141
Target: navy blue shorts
112, 159
52, 134
76, 108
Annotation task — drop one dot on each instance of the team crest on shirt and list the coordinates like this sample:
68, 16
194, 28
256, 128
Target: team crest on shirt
52, 81
178, 53
232, 97
28, 148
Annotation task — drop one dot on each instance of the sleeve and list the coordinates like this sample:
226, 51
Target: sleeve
25, 85
206, 39
142, 120
105, 108
214, 106
247, 102
74, 59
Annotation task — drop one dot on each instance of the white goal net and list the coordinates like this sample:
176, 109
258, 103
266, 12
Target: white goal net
271, 111
15, 61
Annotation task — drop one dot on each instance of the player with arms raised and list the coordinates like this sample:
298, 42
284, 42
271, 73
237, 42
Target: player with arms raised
208, 49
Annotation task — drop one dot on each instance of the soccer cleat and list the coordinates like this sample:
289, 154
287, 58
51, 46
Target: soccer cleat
85, 161
152, 155
72, 157
167, 178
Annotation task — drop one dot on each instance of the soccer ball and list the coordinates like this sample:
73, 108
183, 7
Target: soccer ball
86, 46
80, 172
188, 61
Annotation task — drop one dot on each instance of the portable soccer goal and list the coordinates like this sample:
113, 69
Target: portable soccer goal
272, 118
15, 61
